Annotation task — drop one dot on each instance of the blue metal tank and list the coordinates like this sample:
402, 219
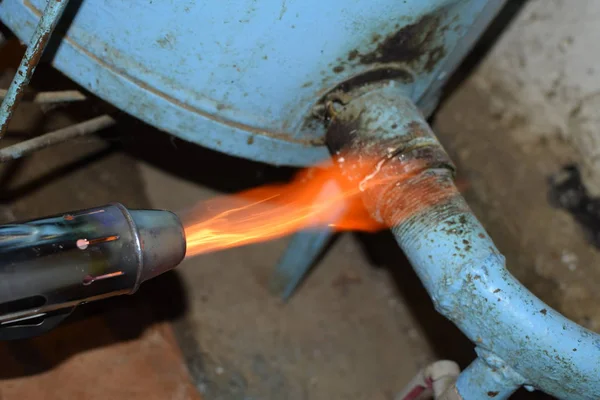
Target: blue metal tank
248, 77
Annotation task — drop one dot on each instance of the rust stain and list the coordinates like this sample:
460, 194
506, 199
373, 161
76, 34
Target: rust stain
167, 41
408, 44
405, 191
370, 77
493, 394
415, 45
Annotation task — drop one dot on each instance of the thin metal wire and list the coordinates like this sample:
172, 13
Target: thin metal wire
59, 96
53, 138
37, 45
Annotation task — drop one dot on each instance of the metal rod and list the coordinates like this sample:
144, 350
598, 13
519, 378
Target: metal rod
488, 377
61, 96
49, 139
37, 45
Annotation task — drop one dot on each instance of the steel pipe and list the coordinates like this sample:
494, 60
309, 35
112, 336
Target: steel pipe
454, 256
488, 377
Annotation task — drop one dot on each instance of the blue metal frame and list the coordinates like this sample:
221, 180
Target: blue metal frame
305, 248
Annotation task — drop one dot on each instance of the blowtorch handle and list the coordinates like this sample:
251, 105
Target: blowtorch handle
64, 260
52, 264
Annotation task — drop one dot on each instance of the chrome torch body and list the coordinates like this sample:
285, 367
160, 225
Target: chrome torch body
50, 265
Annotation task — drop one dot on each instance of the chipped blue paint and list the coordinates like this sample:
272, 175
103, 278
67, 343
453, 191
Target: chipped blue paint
37, 44
520, 340
488, 377
243, 76
474, 289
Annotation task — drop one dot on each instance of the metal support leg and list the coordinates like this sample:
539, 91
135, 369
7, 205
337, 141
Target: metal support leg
303, 250
483, 380
36, 47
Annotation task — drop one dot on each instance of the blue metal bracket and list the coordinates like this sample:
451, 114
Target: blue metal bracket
304, 248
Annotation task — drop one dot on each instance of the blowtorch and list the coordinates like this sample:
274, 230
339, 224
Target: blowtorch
49, 266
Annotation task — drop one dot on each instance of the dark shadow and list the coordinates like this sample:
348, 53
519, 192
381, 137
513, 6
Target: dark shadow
197, 164
483, 46
10, 170
13, 194
4, 31
445, 338
567, 191
66, 20
96, 325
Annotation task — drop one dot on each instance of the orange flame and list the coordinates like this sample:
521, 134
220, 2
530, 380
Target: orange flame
316, 197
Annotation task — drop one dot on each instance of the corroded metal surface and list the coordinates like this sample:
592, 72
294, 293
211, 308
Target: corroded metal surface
52, 13
515, 332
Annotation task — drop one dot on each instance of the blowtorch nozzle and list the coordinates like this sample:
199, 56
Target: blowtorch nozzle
50, 265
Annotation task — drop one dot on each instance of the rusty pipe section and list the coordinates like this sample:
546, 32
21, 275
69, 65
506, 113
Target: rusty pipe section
50, 265
519, 339
52, 14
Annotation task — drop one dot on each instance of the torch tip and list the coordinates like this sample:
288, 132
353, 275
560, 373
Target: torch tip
162, 240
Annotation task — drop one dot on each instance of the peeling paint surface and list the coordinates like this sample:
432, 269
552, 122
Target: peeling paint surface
219, 73
520, 339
